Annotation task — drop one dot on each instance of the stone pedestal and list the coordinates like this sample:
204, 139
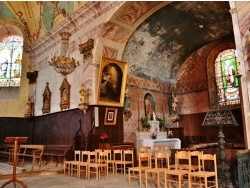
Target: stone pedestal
154, 127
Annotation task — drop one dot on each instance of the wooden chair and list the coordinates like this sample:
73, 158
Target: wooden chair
67, 164
195, 157
157, 149
83, 165
145, 150
127, 161
137, 172
159, 168
100, 166
110, 161
176, 176
74, 164
117, 161
206, 178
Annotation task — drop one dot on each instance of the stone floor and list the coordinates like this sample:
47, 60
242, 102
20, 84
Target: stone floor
52, 177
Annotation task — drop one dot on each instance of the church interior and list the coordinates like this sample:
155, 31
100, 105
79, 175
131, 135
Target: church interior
89, 74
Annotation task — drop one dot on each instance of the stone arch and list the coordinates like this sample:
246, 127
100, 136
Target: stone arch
210, 61
16, 28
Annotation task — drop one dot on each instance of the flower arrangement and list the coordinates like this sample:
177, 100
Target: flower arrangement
104, 136
170, 134
162, 122
153, 135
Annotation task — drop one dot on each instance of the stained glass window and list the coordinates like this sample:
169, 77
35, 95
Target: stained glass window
11, 49
226, 72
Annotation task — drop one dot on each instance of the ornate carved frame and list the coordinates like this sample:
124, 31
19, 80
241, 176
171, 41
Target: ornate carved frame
46, 99
65, 94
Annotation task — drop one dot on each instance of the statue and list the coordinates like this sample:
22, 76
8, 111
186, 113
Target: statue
83, 94
127, 100
174, 101
29, 107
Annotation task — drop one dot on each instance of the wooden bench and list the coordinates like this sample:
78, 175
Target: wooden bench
6, 151
33, 151
58, 153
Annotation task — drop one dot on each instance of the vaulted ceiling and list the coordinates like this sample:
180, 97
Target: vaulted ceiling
163, 41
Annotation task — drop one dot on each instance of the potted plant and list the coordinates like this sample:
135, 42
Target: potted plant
162, 123
144, 122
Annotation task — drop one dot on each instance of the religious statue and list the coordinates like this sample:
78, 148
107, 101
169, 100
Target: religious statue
127, 100
83, 94
174, 101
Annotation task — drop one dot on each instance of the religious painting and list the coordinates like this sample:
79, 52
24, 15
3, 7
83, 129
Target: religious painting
65, 94
112, 82
46, 99
110, 116
149, 105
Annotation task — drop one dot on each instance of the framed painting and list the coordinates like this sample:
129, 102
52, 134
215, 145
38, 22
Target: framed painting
112, 82
110, 116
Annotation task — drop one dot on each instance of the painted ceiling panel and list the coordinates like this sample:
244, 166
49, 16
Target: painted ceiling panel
169, 36
5, 12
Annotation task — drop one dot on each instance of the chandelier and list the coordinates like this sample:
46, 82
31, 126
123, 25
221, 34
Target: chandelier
63, 63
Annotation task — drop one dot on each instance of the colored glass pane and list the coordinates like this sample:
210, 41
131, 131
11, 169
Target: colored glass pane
11, 49
226, 72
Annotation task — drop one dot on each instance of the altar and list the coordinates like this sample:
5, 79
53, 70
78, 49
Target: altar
143, 139
175, 143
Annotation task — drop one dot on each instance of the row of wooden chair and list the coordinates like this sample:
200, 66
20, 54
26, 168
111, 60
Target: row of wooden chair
183, 169
99, 162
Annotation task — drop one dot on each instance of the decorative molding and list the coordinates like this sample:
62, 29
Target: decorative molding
148, 84
86, 49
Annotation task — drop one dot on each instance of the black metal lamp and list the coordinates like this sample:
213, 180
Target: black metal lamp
220, 117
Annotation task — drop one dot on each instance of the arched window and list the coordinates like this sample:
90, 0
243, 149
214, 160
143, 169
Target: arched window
227, 81
11, 50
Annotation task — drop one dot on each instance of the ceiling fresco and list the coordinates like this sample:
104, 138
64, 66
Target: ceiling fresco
166, 43
37, 17
157, 48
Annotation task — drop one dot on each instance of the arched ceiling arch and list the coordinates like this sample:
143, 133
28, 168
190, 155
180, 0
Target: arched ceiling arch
11, 27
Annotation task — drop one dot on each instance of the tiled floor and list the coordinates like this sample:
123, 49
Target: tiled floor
52, 177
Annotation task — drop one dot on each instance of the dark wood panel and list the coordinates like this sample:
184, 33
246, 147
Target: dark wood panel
20, 127
60, 128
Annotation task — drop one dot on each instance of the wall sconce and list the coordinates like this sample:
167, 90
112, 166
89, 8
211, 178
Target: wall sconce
83, 98
127, 115
29, 113
86, 49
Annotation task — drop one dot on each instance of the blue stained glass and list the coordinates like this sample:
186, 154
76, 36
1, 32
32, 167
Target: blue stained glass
11, 50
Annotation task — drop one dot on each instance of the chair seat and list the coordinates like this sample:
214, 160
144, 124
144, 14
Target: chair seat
176, 172
202, 174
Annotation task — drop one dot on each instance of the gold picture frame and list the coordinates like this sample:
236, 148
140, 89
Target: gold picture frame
112, 82
110, 116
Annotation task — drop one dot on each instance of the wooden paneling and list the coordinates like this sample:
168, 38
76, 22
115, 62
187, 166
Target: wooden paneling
60, 128
19, 127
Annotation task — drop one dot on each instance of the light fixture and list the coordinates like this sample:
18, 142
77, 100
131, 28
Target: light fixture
220, 117
63, 63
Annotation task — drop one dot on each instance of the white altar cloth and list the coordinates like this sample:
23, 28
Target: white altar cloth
174, 142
